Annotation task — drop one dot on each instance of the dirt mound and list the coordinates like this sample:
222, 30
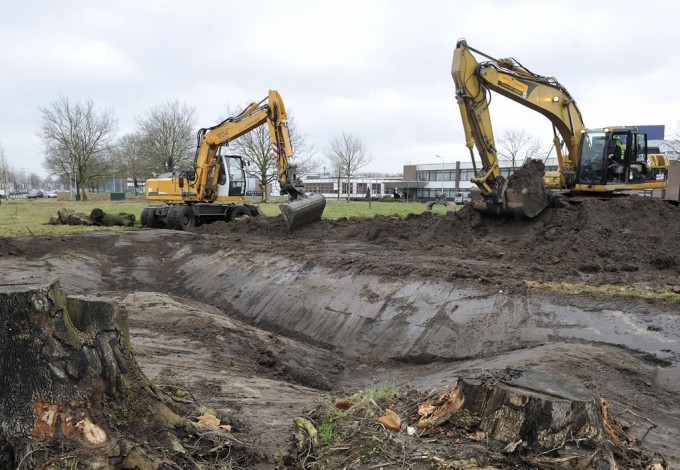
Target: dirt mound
571, 238
9, 248
529, 175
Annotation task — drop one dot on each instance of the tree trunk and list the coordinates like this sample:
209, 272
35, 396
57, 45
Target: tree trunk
541, 411
70, 388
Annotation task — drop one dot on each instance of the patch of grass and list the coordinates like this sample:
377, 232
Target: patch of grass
335, 419
26, 217
326, 432
328, 429
382, 393
631, 291
337, 209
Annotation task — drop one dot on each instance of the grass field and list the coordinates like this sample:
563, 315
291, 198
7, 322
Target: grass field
27, 217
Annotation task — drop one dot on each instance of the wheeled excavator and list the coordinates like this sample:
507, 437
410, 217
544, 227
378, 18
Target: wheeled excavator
215, 188
598, 161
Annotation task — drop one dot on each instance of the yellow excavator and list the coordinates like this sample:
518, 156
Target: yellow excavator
589, 161
215, 188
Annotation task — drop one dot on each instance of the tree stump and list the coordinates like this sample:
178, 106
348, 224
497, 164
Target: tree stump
528, 409
70, 388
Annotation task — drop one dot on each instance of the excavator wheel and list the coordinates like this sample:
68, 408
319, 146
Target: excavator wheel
181, 218
149, 219
303, 211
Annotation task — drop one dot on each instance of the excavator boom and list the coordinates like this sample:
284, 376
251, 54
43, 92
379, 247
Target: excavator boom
213, 189
524, 193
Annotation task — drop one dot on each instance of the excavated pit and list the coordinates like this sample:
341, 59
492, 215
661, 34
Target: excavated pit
260, 321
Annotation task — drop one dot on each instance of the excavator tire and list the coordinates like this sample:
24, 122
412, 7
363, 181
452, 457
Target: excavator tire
148, 218
187, 218
181, 218
303, 211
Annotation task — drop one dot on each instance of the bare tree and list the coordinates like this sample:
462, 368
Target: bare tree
130, 159
167, 133
77, 137
347, 155
35, 181
517, 146
4, 168
671, 145
256, 147
305, 154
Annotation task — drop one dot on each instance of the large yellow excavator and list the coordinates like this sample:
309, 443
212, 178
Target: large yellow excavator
215, 188
594, 161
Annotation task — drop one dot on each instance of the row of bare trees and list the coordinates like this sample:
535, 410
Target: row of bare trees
81, 144
22, 178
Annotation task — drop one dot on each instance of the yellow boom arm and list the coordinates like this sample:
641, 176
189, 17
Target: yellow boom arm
509, 78
270, 110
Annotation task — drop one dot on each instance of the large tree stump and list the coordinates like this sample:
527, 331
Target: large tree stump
70, 386
537, 411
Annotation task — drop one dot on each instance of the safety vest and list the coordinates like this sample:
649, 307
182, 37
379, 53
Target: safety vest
619, 144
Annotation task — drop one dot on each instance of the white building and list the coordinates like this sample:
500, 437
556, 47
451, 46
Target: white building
358, 186
429, 180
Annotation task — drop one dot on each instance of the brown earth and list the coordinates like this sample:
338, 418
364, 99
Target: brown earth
189, 331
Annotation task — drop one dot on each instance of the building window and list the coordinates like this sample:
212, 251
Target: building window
325, 188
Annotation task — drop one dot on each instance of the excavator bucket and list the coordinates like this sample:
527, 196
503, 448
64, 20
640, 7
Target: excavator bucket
523, 194
302, 211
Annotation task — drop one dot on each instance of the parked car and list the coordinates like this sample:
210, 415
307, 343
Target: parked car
462, 198
51, 194
35, 193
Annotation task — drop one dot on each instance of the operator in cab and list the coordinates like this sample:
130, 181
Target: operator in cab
616, 158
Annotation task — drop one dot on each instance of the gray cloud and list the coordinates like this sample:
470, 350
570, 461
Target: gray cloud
377, 69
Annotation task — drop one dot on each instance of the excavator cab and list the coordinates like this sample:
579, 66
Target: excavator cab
614, 158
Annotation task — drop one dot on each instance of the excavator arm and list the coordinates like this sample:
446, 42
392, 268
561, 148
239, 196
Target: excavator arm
474, 81
199, 187
271, 111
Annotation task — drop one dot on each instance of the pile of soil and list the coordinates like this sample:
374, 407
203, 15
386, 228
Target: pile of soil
629, 240
8, 247
529, 175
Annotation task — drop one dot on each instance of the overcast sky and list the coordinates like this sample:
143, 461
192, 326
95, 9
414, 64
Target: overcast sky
379, 70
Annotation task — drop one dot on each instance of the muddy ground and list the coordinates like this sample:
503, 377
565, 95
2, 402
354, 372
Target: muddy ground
265, 323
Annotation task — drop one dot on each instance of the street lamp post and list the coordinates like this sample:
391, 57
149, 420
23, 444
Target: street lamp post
439, 156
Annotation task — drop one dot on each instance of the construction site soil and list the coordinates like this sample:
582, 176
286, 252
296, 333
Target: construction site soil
266, 324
